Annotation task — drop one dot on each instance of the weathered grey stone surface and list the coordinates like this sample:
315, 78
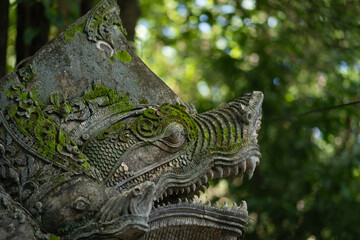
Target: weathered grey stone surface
94, 145
192, 220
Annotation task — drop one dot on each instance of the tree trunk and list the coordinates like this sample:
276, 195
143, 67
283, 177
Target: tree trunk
4, 19
129, 13
85, 6
32, 29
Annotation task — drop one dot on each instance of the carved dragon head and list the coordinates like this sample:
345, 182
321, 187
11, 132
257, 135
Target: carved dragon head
175, 149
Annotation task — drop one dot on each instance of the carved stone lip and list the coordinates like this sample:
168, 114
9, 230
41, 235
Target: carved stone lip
119, 226
123, 224
188, 214
172, 185
217, 165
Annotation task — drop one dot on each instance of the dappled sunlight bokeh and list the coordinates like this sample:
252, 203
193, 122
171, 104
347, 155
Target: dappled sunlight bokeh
305, 57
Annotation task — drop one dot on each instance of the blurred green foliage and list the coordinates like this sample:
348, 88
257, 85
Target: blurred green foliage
303, 55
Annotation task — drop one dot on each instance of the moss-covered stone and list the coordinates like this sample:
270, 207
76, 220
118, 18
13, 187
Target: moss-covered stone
29, 114
154, 122
86, 166
54, 237
122, 55
118, 103
72, 31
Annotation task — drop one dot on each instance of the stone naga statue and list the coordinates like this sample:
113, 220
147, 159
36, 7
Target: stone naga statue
93, 145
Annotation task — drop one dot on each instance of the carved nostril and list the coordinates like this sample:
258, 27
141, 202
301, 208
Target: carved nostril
136, 191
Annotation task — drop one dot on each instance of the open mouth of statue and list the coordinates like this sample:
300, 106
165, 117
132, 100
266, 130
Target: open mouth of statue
178, 202
175, 185
185, 192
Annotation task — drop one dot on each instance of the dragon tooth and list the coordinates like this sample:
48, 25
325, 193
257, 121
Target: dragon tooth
199, 183
209, 204
170, 191
186, 200
227, 171
217, 204
211, 173
234, 207
165, 194
177, 191
182, 190
205, 178
241, 175
243, 206
225, 205
179, 201
161, 198
193, 187
242, 165
236, 170
188, 189
219, 171
252, 162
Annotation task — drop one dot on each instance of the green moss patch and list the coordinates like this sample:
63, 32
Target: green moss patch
153, 123
70, 33
122, 55
118, 103
54, 237
30, 116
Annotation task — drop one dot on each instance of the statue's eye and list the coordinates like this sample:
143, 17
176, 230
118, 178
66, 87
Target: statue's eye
174, 136
81, 203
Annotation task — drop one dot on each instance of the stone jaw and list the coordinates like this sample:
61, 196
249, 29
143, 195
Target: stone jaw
194, 220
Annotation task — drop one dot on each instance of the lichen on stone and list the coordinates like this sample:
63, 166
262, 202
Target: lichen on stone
118, 103
30, 116
122, 55
153, 122
54, 237
71, 33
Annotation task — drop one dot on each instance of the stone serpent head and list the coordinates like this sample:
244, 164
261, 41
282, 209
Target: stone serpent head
177, 150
